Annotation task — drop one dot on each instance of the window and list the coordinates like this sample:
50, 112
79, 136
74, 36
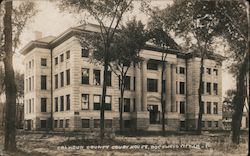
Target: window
43, 104
62, 103
32, 83
32, 63
216, 124
215, 72
56, 104
108, 123
127, 83
109, 78
152, 85
61, 123
209, 123
209, 71
209, 88
208, 107
182, 87
97, 77
85, 123
29, 64
62, 79
107, 103
152, 65
85, 52
68, 77
182, 107
67, 102
61, 58
56, 81
182, 70
134, 105
55, 123
215, 89
126, 105
96, 123
43, 123
85, 76
29, 84
56, 60
215, 108
43, 62
43, 82
97, 101
85, 101
67, 54
29, 105
67, 123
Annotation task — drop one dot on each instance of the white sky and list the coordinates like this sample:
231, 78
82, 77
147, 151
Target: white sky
50, 21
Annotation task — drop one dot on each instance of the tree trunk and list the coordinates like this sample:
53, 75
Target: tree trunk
199, 123
121, 104
104, 90
239, 101
163, 105
9, 79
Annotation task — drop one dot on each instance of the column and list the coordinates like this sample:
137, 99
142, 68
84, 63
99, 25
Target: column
168, 88
138, 89
173, 87
144, 85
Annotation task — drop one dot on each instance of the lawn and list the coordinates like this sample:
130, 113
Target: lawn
68, 144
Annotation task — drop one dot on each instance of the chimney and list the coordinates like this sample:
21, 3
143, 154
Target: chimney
38, 35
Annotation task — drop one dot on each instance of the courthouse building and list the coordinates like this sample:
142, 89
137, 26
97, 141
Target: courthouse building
63, 84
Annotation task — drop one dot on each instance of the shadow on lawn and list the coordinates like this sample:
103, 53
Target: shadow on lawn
20, 152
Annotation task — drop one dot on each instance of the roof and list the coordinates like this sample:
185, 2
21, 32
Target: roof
50, 42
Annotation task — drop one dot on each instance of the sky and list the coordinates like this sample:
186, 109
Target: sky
51, 21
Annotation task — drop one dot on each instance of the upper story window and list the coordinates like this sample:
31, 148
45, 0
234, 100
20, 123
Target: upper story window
85, 101
61, 103
85, 76
43, 104
43, 62
68, 77
152, 65
56, 81
109, 78
182, 87
62, 79
56, 60
97, 102
209, 71
97, 77
209, 88
56, 104
215, 72
215, 89
85, 52
215, 108
126, 105
152, 85
202, 107
208, 107
43, 82
61, 58
29, 64
67, 54
67, 102
182, 107
127, 83
182, 70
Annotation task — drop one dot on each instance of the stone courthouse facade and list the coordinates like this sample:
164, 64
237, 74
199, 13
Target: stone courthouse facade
63, 83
